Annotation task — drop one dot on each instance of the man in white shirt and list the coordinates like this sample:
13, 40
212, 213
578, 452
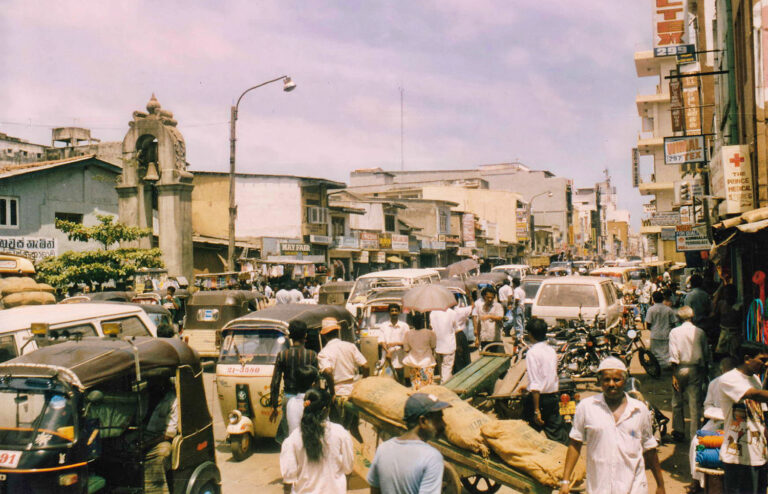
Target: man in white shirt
688, 355
619, 437
517, 305
741, 396
391, 338
488, 317
283, 296
296, 295
443, 323
543, 384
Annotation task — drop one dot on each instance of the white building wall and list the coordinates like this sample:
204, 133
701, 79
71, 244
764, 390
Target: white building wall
268, 207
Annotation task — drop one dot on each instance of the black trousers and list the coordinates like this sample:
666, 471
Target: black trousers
744, 479
554, 426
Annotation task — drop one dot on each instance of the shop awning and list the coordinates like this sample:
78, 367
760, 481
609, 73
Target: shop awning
753, 227
716, 251
395, 259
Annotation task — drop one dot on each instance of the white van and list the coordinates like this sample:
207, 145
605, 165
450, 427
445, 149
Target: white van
513, 271
564, 297
393, 278
83, 319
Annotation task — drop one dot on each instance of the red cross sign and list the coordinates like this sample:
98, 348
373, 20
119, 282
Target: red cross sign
737, 160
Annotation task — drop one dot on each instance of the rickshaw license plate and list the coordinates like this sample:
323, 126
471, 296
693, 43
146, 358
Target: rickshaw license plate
568, 408
208, 315
9, 459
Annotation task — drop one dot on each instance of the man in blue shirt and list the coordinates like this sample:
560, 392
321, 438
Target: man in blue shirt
407, 464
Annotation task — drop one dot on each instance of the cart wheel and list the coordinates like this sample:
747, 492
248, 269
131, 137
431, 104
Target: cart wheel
451, 480
650, 363
495, 347
477, 484
241, 446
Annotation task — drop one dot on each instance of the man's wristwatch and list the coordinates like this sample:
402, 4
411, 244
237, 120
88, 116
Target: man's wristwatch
565, 482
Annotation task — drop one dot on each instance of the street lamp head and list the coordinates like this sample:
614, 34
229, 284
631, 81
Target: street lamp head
549, 194
288, 84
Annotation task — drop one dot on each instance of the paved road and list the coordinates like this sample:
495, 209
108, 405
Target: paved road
261, 471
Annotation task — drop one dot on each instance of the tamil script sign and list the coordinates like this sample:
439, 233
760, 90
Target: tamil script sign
731, 178
669, 27
690, 240
400, 242
34, 248
670, 218
688, 149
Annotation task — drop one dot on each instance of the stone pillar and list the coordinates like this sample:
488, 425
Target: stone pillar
174, 204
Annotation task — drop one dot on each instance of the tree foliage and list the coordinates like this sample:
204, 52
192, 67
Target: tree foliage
101, 265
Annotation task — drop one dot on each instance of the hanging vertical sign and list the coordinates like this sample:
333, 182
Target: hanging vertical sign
676, 104
669, 27
731, 178
692, 106
635, 168
468, 230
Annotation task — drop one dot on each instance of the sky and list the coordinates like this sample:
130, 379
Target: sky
547, 83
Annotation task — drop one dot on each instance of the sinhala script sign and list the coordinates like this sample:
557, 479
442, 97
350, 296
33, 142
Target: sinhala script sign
34, 248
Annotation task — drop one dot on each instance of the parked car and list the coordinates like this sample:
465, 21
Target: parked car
530, 286
568, 298
66, 321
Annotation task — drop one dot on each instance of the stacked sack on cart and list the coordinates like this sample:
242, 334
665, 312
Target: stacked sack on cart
18, 290
708, 449
517, 444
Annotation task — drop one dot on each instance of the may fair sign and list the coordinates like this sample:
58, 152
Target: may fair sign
34, 248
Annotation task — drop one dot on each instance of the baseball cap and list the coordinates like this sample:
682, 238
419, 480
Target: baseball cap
329, 324
612, 363
419, 404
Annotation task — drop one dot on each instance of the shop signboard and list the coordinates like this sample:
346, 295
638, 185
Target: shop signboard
449, 239
294, 248
687, 149
400, 242
669, 27
692, 104
342, 242
34, 248
385, 241
686, 218
635, 167
379, 257
676, 104
689, 239
668, 234
523, 221
362, 257
320, 239
731, 179
666, 218
369, 240
649, 208
468, 228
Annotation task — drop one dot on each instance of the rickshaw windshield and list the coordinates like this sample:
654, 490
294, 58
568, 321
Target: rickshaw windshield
252, 346
35, 419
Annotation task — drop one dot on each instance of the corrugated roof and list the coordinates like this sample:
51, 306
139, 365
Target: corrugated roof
331, 183
24, 168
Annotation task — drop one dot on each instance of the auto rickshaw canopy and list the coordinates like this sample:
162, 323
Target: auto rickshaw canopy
91, 361
311, 315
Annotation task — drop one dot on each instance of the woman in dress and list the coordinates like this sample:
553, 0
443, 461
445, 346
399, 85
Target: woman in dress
317, 457
419, 345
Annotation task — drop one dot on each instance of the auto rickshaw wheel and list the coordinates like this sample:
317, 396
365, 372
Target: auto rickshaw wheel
478, 484
241, 446
451, 480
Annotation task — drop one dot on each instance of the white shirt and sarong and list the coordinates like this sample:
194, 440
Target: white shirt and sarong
687, 345
615, 448
343, 359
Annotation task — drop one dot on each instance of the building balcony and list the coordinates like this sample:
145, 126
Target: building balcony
647, 65
648, 188
646, 102
649, 145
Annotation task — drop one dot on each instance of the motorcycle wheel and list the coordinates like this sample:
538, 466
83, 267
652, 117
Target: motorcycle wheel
649, 363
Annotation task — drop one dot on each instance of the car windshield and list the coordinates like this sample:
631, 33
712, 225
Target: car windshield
636, 274
560, 264
259, 346
568, 295
157, 318
363, 285
531, 288
35, 419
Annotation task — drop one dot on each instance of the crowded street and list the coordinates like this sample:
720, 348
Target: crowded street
433, 247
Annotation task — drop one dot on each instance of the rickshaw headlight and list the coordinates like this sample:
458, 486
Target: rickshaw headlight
234, 416
68, 479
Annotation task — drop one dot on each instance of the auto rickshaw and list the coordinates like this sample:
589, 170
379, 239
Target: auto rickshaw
244, 370
335, 292
375, 312
73, 417
208, 311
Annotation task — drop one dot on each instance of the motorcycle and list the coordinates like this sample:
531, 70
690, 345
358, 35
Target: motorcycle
659, 421
626, 345
582, 354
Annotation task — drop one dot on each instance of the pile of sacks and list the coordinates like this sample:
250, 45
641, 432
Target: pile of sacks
513, 441
18, 290
708, 449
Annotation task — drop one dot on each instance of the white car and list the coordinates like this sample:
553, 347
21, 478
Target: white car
68, 320
569, 297
513, 270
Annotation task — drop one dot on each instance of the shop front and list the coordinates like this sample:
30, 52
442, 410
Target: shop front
342, 253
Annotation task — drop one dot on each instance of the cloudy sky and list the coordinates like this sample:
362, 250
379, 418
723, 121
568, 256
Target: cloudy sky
549, 83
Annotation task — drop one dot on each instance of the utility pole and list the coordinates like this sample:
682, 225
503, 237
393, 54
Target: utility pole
402, 132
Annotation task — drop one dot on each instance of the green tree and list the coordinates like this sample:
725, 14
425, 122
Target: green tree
100, 265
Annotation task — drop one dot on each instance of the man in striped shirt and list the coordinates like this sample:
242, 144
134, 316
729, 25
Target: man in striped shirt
287, 370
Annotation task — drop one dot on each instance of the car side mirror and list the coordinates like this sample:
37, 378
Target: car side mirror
94, 397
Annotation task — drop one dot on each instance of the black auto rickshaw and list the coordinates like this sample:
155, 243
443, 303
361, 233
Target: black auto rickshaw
335, 292
208, 311
73, 418
248, 353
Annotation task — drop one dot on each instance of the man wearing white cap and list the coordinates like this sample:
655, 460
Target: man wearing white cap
619, 437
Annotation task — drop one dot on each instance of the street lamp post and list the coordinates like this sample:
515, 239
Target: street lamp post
533, 226
288, 85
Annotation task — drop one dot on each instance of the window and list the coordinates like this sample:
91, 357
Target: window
76, 331
7, 348
9, 212
131, 326
317, 215
337, 226
389, 222
568, 296
444, 222
71, 217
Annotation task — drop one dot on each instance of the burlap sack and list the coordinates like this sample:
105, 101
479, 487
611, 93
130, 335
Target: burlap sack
463, 423
526, 450
45, 287
382, 397
28, 298
17, 284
